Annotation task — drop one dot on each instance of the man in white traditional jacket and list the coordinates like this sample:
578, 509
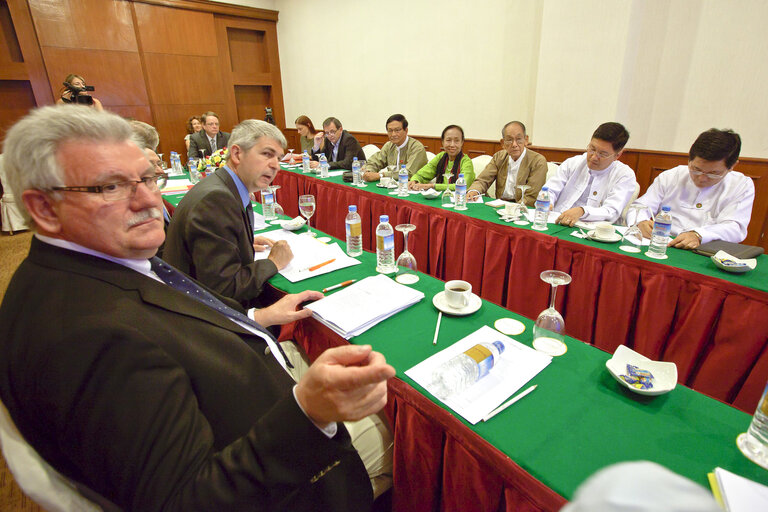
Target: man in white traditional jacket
594, 186
709, 200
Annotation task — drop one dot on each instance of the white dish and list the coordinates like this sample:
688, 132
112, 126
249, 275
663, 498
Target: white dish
664, 374
608, 240
391, 185
430, 194
440, 303
293, 224
730, 263
509, 326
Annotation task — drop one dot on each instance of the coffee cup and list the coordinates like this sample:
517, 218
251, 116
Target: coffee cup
386, 181
604, 230
457, 293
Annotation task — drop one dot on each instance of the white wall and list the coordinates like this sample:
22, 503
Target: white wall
667, 69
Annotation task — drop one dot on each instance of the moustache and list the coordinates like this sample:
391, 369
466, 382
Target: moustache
149, 213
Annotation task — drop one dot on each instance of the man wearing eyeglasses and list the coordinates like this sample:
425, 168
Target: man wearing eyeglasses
594, 186
135, 381
709, 200
400, 150
512, 166
337, 144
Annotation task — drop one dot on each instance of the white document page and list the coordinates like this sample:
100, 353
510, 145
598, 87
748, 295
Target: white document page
517, 365
176, 186
360, 306
741, 494
307, 252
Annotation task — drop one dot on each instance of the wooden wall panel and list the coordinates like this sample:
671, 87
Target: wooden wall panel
84, 24
248, 52
117, 76
182, 79
30, 51
16, 98
175, 31
171, 122
251, 101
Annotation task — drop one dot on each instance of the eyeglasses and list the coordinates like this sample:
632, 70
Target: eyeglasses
395, 130
710, 175
520, 141
332, 132
121, 190
600, 154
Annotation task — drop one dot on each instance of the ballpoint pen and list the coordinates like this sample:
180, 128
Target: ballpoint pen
504, 406
315, 267
340, 285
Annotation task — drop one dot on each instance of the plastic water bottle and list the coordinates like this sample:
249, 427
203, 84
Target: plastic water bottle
402, 181
354, 227
268, 203
385, 246
542, 210
461, 371
305, 162
208, 169
176, 164
662, 226
194, 174
355, 172
461, 193
324, 167
754, 443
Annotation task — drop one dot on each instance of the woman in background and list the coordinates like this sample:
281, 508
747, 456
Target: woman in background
74, 92
452, 161
306, 131
194, 125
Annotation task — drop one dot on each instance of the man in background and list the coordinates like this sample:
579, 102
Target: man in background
209, 139
401, 149
514, 165
709, 200
338, 146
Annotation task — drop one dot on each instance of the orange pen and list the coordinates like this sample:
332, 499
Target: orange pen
315, 267
340, 285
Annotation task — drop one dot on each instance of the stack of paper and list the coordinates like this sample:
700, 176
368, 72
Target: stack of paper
358, 307
310, 257
739, 494
517, 365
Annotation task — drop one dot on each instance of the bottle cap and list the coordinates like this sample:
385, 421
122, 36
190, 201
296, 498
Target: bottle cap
461, 175
544, 188
384, 218
353, 207
354, 159
666, 208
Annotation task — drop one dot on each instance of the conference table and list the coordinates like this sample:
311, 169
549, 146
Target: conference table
533, 455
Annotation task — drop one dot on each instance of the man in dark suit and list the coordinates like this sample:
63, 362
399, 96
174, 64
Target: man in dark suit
130, 378
209, 139
211, 235
338, 145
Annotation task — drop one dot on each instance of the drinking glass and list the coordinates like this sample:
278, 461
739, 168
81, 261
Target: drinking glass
406, 262
633, 237
523, 220
163, 165
550, 324
447, 197
289, 160
278, 209
307, 210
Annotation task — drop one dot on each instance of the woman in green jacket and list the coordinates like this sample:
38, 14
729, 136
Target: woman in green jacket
451, 161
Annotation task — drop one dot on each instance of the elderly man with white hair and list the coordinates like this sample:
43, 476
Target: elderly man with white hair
133, 380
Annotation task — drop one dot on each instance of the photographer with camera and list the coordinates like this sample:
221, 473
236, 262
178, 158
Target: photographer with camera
75, 91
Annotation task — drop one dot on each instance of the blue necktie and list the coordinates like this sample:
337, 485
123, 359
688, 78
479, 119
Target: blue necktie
182, 283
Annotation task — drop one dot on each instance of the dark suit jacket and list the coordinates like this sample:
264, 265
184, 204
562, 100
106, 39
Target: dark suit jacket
209, 239
199, 140
156, 401
349, 148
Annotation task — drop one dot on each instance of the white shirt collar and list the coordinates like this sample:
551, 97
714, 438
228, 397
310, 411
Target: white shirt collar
522, 155
404, 143
141, 266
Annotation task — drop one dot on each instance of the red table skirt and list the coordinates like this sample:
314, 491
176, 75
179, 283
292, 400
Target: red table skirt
439, 464
715, 331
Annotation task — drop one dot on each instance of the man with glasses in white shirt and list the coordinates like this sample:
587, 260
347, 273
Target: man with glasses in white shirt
709, 200
337, 144
512, 166
594, 186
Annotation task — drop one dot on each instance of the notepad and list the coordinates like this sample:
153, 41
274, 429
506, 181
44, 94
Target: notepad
358, 307
740, 494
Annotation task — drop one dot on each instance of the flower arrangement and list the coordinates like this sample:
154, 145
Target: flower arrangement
215, 160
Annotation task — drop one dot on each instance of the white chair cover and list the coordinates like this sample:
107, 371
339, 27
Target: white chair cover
479, 163
370, 150
10, 211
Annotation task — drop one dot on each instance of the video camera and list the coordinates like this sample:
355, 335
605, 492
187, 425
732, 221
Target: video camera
77, 94
269, 117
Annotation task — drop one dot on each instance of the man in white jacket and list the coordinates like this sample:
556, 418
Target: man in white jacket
594, 186
709, 200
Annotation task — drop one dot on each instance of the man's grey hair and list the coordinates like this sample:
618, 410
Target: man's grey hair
31, 145
146, 134
246, 134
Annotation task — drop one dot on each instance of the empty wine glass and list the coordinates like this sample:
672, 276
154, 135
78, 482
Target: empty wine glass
163, 165
549, 329
523, 219
278, 209
447, 197
289, 160
406, 262
307, 210
632, 240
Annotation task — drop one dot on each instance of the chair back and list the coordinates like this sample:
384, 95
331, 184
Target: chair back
430, 156
479, 163
46, 486
623, 217
552, 168
11, 213
370, 150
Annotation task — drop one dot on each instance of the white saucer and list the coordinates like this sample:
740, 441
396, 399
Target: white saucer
440, 303
608, 240
324, 239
